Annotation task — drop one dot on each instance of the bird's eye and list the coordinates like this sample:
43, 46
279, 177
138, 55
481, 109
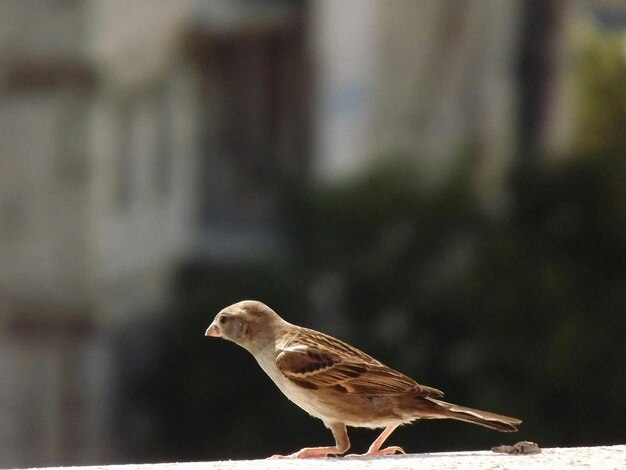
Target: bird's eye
222, 320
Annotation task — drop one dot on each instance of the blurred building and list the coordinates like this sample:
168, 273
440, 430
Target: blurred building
438, 81
132, 133
95, 209
416, 78
136, 135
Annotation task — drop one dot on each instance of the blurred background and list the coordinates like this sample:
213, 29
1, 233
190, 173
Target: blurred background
439, 182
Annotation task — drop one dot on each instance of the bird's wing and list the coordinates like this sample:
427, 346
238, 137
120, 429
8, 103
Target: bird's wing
314, 360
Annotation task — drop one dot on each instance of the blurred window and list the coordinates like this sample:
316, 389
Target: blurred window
164, 149
124, 164
144, 159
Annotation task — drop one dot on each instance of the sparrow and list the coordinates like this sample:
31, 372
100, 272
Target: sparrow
336, 382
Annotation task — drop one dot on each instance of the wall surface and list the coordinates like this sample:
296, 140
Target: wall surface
607, 457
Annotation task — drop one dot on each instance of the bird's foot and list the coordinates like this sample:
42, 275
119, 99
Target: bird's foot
386, 451
309, 453
379, 452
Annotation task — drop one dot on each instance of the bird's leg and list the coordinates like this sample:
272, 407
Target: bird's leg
342, 444
375, 447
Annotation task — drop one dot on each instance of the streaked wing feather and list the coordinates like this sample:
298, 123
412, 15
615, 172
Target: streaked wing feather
314, 360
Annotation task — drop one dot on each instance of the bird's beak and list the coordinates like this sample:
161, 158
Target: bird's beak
213, 330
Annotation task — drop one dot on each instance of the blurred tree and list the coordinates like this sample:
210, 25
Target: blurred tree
554, 272
541, 27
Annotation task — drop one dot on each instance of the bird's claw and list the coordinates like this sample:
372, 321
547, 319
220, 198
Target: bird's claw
380, 452
306, 453
388, 451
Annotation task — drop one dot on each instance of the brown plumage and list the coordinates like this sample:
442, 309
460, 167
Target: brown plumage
336, 382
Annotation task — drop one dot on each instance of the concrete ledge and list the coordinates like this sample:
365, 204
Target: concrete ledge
604, 457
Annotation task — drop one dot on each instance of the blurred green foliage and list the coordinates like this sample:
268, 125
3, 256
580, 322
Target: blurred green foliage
600, 75
521, 314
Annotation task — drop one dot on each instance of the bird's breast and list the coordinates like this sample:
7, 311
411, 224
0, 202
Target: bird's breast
332, 406
305, 399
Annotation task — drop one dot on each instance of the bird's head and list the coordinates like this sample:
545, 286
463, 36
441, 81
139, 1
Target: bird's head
246, 323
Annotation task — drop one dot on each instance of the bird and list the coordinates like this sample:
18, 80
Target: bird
336, 382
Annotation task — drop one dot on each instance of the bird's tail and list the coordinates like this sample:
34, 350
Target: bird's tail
483, 418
